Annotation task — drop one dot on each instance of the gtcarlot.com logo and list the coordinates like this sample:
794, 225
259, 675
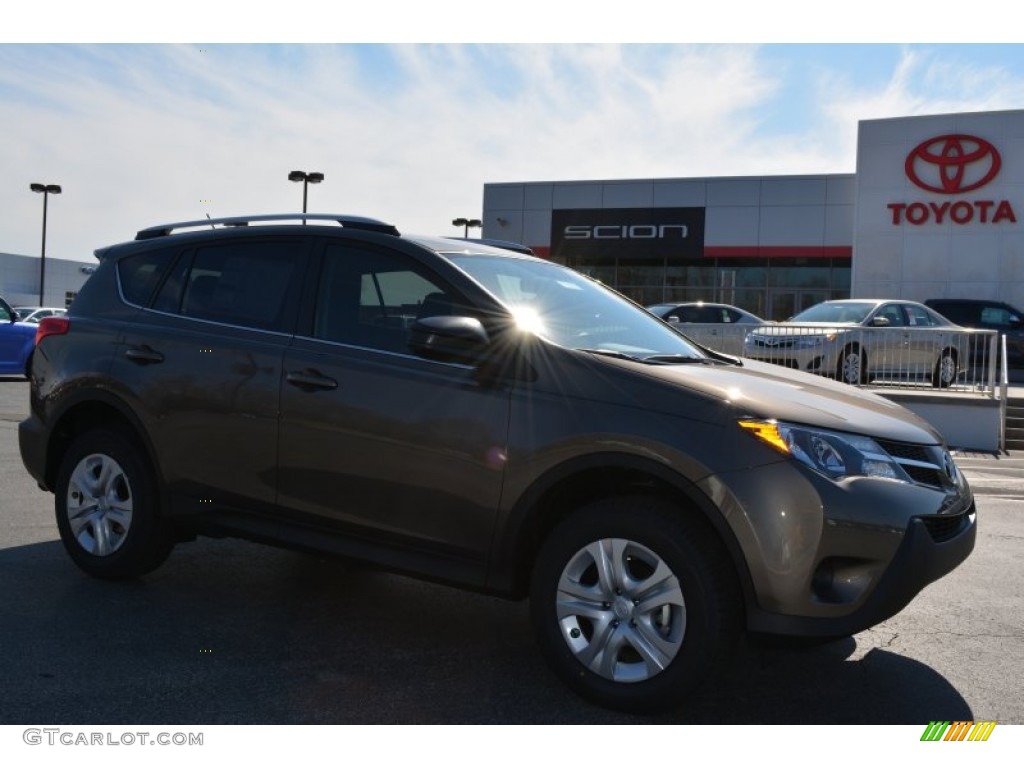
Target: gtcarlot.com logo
67, 738
960, 730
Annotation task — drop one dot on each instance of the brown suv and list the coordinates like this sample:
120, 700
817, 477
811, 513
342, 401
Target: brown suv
487, 419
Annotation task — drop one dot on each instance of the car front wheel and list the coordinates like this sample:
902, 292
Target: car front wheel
107, 507
946, 369
852, 367
634, 604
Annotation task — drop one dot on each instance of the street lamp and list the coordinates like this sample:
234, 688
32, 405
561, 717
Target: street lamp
47, 190
466, 224
306, 179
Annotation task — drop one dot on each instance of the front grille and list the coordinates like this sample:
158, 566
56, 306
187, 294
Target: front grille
945, 527
906, 451
764, 344
934, 474
923, 475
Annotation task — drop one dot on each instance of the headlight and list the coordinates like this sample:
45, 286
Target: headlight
833, 454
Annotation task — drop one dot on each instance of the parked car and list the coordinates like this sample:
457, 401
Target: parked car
993, 315
704, 312
487, 419
35, 314
717, 326
857, 340
16, 342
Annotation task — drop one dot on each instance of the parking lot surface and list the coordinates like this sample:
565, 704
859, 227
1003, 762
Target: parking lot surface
232, 632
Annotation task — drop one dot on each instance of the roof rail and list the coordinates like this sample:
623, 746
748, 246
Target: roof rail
351, 222
508, 245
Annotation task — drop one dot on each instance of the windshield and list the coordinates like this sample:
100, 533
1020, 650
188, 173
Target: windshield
853, 312
571, 310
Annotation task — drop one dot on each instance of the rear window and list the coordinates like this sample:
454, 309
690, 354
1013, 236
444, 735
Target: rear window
139, 275
244, 284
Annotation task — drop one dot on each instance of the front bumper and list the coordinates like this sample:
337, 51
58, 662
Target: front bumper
828, 558
920, 560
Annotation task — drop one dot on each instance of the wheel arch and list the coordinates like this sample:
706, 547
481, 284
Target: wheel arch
94, 410
568, 486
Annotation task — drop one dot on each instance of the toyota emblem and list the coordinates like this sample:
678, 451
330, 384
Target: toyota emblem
953, 164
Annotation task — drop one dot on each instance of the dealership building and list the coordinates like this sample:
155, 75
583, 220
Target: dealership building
933, 210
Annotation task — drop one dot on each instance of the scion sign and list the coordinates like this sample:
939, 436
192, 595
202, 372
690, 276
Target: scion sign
628, 232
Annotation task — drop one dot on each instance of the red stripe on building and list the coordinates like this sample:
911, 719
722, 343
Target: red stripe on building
755, 251
780, 251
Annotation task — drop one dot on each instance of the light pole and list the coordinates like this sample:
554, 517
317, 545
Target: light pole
306, 179
466, 224
47, 190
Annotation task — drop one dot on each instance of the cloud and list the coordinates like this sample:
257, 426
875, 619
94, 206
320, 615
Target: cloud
144, 134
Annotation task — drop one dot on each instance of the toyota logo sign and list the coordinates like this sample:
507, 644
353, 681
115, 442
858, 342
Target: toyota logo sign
953, 164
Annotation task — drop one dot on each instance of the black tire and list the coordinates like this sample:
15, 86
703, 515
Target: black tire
107, 507
947, 369
688, 619
852, 366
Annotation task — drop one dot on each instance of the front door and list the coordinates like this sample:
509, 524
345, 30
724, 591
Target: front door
377, 442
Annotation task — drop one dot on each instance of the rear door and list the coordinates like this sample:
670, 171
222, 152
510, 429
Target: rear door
404, 454
203, 361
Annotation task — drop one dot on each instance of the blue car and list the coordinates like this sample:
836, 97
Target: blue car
17, 340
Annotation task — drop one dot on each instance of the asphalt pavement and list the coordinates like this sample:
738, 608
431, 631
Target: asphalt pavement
229, 632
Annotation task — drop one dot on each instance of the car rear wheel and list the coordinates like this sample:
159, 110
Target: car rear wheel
107, 507
634, 604
946, 369
852, 367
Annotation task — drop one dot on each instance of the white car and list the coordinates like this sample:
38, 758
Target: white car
35, 314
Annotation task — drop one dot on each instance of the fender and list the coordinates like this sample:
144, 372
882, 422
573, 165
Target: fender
514, 536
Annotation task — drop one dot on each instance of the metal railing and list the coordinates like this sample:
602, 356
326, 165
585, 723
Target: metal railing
957, 360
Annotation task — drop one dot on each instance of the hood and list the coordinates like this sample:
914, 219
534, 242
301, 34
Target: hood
767, 391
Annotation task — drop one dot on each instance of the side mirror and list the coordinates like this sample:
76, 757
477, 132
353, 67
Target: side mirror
880, 322
448, 339
672, 320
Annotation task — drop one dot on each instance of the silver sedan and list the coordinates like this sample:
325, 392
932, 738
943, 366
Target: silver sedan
859, 340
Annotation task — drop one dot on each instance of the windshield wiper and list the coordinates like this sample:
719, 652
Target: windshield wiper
612, 353
678, 359
688, 360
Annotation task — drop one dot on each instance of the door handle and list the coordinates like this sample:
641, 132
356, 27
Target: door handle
310, 380
144, 355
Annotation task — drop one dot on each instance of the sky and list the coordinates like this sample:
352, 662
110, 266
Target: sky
408, 117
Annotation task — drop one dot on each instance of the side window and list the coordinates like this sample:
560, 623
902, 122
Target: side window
371, 298
894, 314
140, 274
245, 283
920, 317
995, 316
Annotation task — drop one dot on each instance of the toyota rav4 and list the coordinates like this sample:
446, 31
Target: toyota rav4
487, 419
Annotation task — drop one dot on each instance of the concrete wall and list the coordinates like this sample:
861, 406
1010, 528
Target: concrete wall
967, 422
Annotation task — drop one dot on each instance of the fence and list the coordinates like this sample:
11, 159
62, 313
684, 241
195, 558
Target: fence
958, 360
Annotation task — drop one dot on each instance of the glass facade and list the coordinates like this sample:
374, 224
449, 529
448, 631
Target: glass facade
774, 288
